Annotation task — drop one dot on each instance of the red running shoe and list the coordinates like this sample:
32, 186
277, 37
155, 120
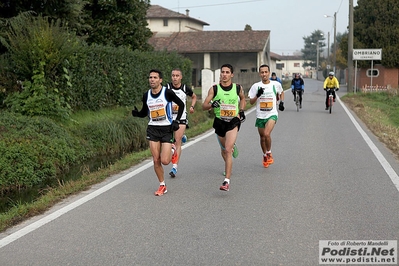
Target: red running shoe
265, 163
270, 159
175, 157
225, 186
161, 190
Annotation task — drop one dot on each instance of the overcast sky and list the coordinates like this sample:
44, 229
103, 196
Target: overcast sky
288, 20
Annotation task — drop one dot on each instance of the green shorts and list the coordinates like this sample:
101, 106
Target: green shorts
262, 122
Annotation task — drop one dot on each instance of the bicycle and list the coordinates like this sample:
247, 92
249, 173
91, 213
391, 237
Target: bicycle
330, 101
297, 97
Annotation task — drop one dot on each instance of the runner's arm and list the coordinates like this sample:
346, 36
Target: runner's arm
144, 110
206, 105
171, 96
242, 99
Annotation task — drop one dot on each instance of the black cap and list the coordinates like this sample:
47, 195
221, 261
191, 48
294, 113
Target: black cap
274, 74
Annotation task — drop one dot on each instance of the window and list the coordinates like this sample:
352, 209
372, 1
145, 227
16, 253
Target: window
280, 65
297, 64
165, 22
375, 73
243, 70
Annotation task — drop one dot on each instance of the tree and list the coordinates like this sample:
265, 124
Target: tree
69, 11
376, 25
119, 22
309, 52
248, 27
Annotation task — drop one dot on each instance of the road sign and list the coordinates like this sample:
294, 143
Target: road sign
367, 54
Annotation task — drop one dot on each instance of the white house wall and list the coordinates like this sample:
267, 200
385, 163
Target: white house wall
174, 25
289, 67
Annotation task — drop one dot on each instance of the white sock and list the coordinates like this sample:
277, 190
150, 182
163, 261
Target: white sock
162, 183
174, 166
227, 180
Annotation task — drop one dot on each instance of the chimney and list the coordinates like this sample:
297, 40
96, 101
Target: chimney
187, 12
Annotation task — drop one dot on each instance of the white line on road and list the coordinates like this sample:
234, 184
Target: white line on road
384, 163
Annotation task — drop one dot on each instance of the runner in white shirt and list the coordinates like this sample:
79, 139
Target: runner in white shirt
265, 94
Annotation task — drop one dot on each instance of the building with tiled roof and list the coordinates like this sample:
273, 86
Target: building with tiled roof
246, 50
162, 20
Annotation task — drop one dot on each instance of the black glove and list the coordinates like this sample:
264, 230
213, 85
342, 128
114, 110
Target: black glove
281, 106
135, 111
336, 89
175, 125
216, 104
260, 92
242, 116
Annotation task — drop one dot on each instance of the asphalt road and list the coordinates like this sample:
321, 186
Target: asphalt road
331, 180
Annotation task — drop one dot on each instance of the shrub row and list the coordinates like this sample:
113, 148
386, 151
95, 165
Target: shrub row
107, 76
36, 149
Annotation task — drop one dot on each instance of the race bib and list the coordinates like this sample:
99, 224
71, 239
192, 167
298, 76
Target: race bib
228, 111
266, 104
157, 114
175, 108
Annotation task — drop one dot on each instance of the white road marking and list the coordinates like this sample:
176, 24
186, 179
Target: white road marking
384, 163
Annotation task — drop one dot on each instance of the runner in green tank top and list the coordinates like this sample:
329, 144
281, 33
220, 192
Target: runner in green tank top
227, 100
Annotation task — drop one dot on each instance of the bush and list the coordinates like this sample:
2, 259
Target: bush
111, 131
37, 49
34, 149
108, 76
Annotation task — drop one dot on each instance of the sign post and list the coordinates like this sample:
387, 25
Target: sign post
366, 54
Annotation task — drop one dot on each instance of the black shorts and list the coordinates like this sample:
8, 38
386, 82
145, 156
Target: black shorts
160, 133
221, 127
184, 122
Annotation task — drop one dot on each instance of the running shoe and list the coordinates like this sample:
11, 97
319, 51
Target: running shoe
225, 186
270, 159
184, 139
326, 108
175, 157
161, 190
235, 151
264, 161
173, 172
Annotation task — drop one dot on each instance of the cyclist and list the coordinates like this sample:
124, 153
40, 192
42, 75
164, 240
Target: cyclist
331, 82
298, 86
275, 78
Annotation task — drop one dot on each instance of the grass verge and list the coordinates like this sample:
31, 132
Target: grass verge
380, 113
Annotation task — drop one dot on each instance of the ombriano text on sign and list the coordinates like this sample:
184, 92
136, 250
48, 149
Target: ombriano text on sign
367, 54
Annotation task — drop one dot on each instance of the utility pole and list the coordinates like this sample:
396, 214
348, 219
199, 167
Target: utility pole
328, 51
335, 41
350, 48
317, 60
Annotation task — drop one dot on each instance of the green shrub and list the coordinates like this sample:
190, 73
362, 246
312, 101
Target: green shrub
34, 149
114, 135
107, 76
37, 49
